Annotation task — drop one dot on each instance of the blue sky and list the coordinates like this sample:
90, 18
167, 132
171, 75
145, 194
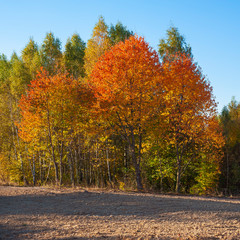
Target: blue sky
211, 27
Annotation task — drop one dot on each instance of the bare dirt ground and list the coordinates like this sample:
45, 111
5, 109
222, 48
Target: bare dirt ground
44, 213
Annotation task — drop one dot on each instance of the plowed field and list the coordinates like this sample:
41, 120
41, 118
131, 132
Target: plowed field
44, 213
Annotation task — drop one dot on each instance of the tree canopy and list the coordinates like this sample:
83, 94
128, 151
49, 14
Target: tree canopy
173, 44
112, 112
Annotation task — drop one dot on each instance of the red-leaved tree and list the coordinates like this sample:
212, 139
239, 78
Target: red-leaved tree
124, 81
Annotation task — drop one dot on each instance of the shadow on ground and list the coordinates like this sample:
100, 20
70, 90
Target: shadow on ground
111, 204
88, 204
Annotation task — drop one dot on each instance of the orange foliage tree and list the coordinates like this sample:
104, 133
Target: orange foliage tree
54, 109
124, 81
189, 112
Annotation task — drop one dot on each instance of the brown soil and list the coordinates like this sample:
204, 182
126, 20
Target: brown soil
44, 213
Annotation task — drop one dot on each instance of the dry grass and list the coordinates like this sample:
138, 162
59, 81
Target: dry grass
46, 213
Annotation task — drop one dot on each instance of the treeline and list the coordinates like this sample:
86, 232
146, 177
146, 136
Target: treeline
230, 165
113, 113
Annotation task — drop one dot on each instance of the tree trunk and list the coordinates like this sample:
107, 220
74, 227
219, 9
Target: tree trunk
61, 162
77, 166
136, 164
90, 169
96, 156
125, 164
16, 148
227, 184
55, 163
161, 173
70, 161
52, 150
48, 173
40, 170
34, 171
108, 167
177, 189
32, 167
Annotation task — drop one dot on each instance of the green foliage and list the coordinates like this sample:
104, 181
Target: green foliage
5, 129
119, 33
207, 176
4, 69
31, 58
230, 167
74, 56
159, 166
19, 76
174, 43
65, 136
50, 53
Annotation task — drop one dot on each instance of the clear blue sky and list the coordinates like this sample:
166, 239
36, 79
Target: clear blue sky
211, 27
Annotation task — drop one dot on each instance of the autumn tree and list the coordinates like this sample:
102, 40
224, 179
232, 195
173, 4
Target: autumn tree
173, 44
230, 167
19, 79
54, 110
124, 81
74, 56
153, 123
6, 127
96, 45
189, 111
15, 78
